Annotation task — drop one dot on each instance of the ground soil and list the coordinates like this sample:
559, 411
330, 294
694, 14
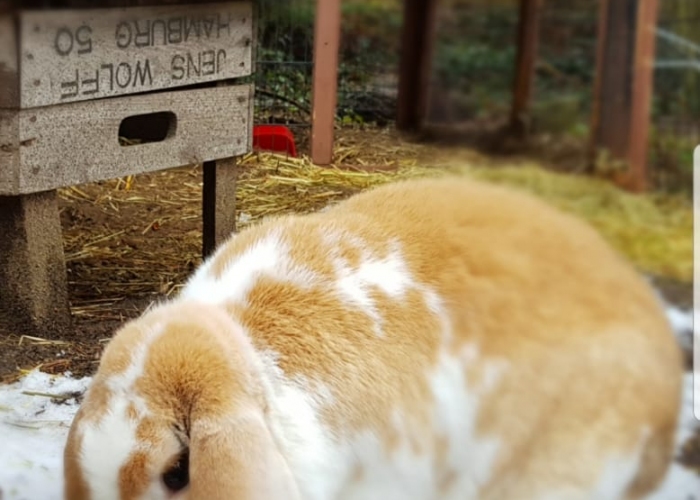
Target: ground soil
101, 304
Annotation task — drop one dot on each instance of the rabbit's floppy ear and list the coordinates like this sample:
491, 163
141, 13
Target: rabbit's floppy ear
236, 457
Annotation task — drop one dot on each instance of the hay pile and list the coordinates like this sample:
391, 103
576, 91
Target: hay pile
133, 238
270, 184
129, 240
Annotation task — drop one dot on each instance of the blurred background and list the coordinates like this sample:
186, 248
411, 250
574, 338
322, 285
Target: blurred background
471, 82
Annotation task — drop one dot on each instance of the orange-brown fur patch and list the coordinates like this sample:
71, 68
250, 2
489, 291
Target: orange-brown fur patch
134, 477
358, 473
75, 486
323, 338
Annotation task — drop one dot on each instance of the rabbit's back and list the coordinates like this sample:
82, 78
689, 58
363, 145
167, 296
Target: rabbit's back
450, 339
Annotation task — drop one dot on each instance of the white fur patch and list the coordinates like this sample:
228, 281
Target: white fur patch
405, 475
409, 473
469, 456
108, 443
389, 274
267, 257
618, 474
299, 434
106, 446
323, 465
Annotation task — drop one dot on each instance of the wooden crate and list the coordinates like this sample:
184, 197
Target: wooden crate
55, 146
73, 82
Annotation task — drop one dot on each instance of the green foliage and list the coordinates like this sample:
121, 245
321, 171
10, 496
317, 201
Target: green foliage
286, 26
671, 155
560, 113
369, 43
461, 64
677, 90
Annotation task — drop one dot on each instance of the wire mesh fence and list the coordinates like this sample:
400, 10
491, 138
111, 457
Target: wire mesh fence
473, 62
473, 70
367, 63
284, 61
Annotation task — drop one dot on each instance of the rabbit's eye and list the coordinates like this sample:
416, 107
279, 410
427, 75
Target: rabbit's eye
177, 477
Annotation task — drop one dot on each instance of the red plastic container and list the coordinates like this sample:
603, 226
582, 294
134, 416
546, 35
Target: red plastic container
277, 138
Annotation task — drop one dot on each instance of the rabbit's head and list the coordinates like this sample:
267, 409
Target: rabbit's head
176, 411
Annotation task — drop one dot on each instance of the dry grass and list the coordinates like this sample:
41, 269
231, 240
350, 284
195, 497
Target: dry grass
132, 238
141, 236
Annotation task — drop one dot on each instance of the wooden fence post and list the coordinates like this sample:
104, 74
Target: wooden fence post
623, 86
526, 43
642, 93
325, 79
415, 66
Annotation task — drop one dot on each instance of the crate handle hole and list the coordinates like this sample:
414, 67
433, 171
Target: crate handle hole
143, 129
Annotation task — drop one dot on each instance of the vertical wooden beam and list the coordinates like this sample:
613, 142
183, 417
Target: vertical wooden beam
613, 76
218, 203
623, 86
600, 58
33, 285
325, 79
642, 93
526, 43
416, 63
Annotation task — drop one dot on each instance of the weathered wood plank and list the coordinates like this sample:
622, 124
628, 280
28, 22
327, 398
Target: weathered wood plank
642, 94
612, 88
33, 289
83, 54
218, 203
9, 81
9, 148
78, 143
219, 197
623, 88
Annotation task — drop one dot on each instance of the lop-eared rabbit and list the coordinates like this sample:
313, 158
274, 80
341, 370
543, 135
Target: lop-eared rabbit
431, 339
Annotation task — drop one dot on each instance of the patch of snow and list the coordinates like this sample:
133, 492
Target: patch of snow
33, 429
680, 484
682, 323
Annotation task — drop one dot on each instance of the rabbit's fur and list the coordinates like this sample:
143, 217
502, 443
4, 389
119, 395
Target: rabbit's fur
433, 339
